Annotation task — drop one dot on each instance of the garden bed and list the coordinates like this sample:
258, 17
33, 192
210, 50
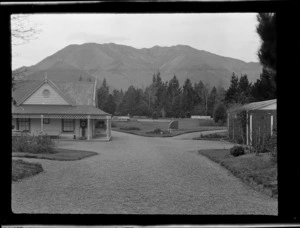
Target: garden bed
258, 171
214, 136
22, 169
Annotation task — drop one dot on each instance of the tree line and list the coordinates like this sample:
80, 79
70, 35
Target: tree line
169, 99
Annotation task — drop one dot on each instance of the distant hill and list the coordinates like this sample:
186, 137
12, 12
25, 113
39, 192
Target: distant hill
123, 66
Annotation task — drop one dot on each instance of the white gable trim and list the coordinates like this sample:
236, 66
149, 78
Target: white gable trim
46, 95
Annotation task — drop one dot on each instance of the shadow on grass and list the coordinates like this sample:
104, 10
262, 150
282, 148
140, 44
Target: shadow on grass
59, 155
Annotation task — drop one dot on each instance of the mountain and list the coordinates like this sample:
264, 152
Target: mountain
123, 66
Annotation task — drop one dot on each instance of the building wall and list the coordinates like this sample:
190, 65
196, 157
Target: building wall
234, 130
55, 128
261, 123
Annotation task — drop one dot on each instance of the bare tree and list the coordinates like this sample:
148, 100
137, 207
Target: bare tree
22, 29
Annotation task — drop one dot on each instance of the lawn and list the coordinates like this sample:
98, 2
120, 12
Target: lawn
22, 169
259, 171
60, 155
144, 128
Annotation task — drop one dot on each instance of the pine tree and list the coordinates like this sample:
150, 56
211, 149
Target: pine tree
244, 93
109, 106
187, 99
265, 87
102, 94
266, 30
174, 95
129, 101
233, 90
212, 99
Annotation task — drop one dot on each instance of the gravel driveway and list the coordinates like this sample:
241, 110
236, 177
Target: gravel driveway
138, 175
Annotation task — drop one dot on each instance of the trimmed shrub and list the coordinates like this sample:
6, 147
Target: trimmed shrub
33, 144
173, 124
155, 131
237, 151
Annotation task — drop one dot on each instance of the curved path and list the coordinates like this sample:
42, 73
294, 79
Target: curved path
138, 175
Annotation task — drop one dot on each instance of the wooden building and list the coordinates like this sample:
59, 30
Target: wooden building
261, 119
63, 109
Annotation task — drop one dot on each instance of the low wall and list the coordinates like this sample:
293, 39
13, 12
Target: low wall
153, 120
201, 117
121, 118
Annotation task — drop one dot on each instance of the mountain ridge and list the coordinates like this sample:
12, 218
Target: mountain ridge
124, 65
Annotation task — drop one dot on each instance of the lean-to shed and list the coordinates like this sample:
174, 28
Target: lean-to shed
261, 118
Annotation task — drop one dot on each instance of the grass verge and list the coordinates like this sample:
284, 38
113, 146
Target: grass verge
257, 171
59, 155
22, 169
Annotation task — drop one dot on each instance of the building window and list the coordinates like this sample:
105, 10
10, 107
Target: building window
46, 93
68, 125
46, 121
23, 124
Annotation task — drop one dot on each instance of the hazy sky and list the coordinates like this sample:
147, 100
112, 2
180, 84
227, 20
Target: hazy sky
231, 35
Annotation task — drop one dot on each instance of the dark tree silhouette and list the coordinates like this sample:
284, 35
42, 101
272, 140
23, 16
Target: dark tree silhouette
266, 30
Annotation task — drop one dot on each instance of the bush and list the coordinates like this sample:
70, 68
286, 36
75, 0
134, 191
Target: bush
155, 131
155, 115
33, 144
220, 114
237, 151
187, 114
206, 122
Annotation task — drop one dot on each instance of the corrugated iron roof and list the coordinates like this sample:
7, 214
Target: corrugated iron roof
57, 109
260, 104
23, 88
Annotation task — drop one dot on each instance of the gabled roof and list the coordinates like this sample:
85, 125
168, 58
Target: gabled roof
76, 93
24, 88
254, 105
81, 93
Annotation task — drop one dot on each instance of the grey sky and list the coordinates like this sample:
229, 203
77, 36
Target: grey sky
232, 35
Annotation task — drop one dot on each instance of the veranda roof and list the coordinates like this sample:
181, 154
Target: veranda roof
57, 110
